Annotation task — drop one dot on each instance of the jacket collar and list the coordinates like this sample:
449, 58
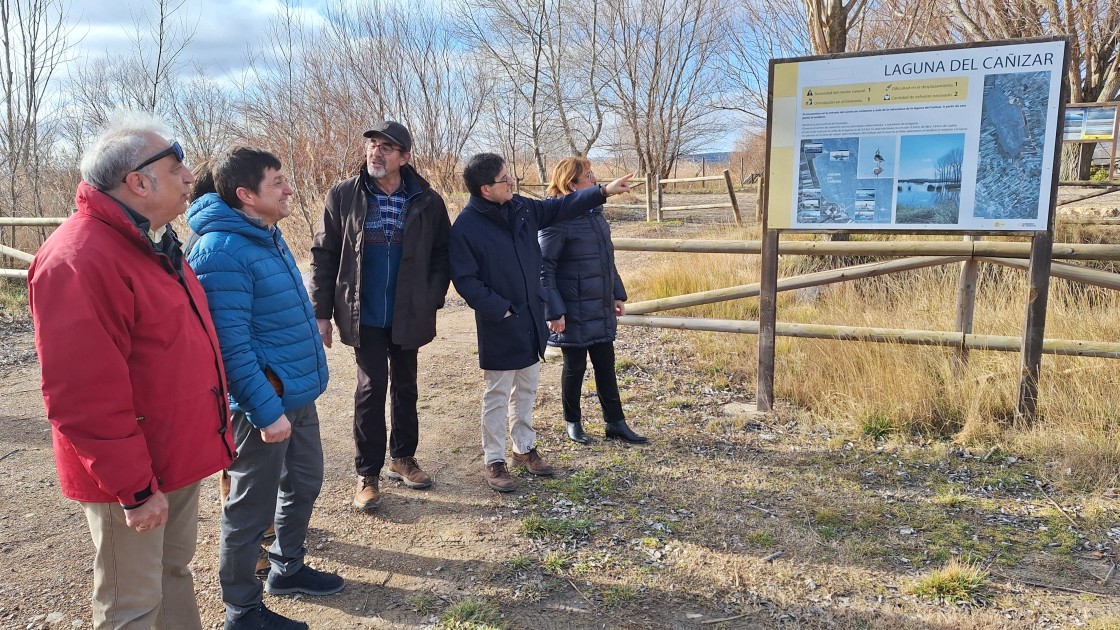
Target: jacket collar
210, 213
129, 223
411, 180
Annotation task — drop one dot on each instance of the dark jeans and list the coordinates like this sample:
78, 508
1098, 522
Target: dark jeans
606, 386
383, 364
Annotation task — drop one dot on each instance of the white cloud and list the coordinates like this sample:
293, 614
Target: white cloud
223, 30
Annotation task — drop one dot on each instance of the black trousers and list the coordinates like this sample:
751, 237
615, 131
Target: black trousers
606, 385
383, 365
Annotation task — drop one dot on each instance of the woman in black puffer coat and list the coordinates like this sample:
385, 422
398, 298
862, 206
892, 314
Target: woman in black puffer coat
585, 297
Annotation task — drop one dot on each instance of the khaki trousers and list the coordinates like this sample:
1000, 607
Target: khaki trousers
143, 579
509, 394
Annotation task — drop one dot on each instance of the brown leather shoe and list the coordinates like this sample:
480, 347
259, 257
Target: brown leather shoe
498, 478
533, 463
408, 471
368, 496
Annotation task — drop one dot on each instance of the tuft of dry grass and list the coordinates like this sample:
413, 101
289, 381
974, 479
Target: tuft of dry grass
868, 389
13, 299
955, 583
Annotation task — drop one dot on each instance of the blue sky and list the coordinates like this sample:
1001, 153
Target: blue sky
918, 155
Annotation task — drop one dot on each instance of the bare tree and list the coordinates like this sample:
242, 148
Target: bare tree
766, 29
512, 37
202, 113
1094, 64
159, 60
142, 79
35, 42
663, 51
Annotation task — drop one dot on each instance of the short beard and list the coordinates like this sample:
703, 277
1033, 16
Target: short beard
376, 172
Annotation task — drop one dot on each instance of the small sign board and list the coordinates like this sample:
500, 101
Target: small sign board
1090, 123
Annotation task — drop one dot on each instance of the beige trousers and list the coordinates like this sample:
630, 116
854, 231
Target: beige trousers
509, 394
143, 579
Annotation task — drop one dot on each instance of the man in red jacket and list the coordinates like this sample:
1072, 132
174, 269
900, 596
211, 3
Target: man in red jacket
133, 381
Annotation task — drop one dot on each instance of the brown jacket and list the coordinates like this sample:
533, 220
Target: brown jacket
336, 262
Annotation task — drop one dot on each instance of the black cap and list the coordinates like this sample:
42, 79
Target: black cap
394, 131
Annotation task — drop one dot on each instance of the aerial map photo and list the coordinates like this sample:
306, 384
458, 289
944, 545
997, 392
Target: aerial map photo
1012, 127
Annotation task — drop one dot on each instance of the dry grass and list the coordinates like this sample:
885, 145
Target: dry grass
955, 583
13, 300
878, 389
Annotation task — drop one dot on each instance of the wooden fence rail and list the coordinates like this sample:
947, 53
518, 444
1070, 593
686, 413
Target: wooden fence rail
654, 189
994, 249
18, 254
1066, 347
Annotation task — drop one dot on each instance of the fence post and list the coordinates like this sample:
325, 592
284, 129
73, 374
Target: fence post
761, 200
650, 179
657, 210
966, 306
734, 201
767, 321
1042, 249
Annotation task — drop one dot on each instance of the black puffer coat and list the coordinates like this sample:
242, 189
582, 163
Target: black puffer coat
580, 280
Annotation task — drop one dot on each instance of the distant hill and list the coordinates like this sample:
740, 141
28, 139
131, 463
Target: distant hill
714, 157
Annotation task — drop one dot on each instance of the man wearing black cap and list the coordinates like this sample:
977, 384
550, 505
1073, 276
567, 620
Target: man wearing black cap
379, 267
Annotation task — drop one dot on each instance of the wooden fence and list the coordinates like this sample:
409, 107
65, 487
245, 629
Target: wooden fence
911, 255
655, 188
16, 254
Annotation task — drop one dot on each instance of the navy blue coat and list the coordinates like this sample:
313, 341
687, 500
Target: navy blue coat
580, 280
496, 267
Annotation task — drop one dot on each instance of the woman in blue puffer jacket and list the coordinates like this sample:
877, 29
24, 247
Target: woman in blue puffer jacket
585, 297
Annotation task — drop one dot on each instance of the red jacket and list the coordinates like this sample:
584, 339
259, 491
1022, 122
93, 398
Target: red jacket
132, 376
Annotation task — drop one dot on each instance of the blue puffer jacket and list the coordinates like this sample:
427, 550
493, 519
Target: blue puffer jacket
265, 324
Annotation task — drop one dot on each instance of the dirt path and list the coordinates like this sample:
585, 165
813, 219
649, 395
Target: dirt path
758, 522
441, 541
421, 550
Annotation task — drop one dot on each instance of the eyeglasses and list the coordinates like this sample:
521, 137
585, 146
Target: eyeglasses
508, 179
588, 176
383, 148
174, 149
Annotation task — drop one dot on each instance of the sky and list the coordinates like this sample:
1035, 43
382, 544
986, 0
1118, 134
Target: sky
223, 29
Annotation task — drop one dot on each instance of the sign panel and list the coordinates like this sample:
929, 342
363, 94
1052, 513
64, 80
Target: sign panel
947, 139
1089, 124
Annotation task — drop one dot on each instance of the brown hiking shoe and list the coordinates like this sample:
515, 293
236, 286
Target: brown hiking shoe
408, 471
498, 478
263, 565
368, 496
533, 463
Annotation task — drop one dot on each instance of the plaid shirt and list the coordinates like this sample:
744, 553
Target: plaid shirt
385, 219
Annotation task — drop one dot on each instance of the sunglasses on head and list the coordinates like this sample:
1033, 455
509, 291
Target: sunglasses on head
174, 149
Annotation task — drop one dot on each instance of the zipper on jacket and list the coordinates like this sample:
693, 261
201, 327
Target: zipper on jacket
224, 427
311, 323
219, 389
385, 288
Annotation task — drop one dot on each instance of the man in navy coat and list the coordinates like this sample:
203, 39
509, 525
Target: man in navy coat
496, 268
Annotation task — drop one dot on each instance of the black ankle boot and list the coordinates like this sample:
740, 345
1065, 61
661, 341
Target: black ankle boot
619, 431
576, 434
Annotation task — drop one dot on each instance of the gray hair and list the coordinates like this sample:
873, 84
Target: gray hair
123, 144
